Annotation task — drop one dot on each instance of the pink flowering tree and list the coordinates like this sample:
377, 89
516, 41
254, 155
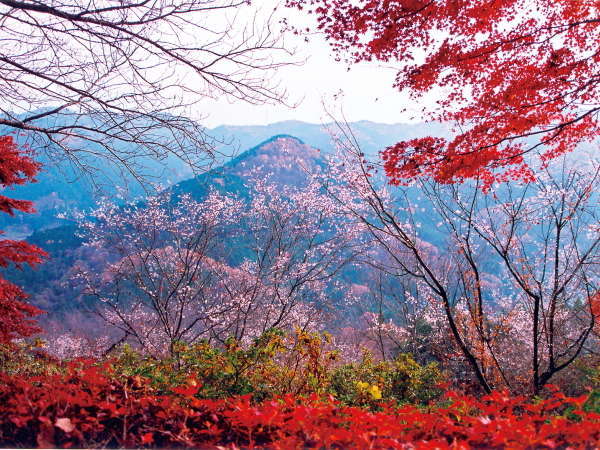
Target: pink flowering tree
300, 241
174, 275
527, 268
512, 272
396, 316
158, 288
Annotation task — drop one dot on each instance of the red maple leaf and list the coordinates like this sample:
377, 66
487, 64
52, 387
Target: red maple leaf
519, 78
15, 314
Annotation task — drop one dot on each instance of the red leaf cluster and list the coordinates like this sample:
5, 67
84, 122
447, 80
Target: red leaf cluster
15, 315
85, 407
515, 77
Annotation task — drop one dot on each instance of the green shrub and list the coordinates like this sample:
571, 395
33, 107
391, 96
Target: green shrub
276, 363
403, 380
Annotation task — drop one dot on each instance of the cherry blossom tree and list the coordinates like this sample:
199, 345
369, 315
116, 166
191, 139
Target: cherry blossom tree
515, 272
300, 241
544, 241
396, 317
159, 288
174, 275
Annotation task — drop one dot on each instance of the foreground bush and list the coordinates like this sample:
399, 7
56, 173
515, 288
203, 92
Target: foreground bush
88, 406
277, 364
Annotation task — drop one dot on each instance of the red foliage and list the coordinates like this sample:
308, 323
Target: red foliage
15, 315
86, 407
506, 69
595, 310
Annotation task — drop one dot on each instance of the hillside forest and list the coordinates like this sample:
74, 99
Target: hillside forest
352, 284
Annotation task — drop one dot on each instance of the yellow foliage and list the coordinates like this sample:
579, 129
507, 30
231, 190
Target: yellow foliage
367, 388
375, 392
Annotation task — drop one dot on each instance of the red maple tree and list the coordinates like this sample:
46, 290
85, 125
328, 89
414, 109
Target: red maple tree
16, 315
518, 78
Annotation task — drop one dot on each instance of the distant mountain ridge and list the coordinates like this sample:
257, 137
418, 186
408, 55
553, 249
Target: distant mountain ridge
59, 188
372, 136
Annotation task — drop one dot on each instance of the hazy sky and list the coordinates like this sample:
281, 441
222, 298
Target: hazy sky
367, 91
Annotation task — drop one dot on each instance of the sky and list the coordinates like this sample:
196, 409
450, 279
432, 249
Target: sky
315, 85
319, 84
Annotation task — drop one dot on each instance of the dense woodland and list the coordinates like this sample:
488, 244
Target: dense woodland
354, 285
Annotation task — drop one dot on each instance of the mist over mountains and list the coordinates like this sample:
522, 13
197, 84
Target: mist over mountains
62, 189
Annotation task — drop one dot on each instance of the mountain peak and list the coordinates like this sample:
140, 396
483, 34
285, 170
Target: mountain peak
282, 137
281, 150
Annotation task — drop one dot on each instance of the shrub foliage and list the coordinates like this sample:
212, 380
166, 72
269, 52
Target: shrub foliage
281, 392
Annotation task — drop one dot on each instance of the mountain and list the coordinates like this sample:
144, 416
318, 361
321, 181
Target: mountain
372, 136
62, 188
281, 158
